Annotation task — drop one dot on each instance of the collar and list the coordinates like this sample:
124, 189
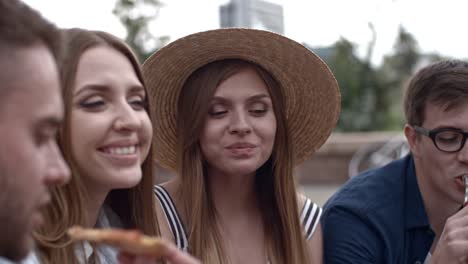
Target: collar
415, 212
5, 261
106, 218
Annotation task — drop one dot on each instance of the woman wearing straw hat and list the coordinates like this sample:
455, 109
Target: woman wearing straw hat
235, 110
106, 140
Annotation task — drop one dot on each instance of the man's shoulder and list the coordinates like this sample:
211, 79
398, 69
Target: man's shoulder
375, 190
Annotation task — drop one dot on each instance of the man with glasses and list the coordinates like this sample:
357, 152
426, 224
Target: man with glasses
411, 211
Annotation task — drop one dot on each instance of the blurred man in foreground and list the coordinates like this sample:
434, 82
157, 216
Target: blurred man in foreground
31, 113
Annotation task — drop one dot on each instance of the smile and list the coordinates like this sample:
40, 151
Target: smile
128, 150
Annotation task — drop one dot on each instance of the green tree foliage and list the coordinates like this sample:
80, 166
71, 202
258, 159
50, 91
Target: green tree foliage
136, 15
371, 95
355, 83
393, 75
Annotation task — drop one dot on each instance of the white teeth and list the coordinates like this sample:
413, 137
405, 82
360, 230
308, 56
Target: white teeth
122, 150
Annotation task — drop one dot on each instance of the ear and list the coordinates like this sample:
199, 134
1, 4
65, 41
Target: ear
412, 137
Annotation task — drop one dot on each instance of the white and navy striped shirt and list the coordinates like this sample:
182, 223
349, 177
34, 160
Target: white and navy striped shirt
310, 216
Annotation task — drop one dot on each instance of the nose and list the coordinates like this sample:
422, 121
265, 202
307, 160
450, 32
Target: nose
127, 118
240, 124
58, 172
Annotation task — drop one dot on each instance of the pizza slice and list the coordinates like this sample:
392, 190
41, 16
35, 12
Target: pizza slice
129, 241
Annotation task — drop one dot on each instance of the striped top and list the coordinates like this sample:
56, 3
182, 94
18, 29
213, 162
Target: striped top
310, 216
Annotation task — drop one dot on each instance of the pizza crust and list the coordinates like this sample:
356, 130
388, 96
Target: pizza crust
129, 241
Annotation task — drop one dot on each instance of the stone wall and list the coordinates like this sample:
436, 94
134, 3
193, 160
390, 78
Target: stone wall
330, 164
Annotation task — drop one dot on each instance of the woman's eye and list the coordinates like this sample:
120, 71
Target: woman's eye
92, 104
138, 103
217, 111
258, 109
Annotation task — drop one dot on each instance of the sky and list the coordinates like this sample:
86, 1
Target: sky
439, 26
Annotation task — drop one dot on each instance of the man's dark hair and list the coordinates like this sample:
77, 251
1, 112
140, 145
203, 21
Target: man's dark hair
444, 83
22, 27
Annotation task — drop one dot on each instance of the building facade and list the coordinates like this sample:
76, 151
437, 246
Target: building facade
255, 14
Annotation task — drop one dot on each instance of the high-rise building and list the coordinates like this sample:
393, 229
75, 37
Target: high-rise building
256, 14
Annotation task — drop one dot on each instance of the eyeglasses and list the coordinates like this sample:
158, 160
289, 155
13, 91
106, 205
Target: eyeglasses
445, 139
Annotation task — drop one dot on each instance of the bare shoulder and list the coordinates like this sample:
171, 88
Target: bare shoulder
301, 200
315, 246
170, 186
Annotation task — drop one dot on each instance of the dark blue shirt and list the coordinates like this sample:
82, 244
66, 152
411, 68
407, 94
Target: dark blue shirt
378, 217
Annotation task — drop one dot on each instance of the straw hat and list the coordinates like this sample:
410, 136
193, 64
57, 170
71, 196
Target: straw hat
311, 91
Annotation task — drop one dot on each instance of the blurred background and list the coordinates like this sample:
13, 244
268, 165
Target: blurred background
372, 46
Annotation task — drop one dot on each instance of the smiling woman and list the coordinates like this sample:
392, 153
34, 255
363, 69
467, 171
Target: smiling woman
235, 110
110, 129
241, 106
106, 139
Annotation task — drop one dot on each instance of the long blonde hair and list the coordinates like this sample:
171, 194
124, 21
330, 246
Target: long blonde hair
135, 206
274, 183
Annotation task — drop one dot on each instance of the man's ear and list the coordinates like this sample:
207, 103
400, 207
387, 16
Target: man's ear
412, 137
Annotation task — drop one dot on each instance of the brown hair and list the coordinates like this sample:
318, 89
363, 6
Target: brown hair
444, 83
135, 206
23, 27
274, 183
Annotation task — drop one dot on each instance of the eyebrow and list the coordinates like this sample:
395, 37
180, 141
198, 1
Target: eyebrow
137, 89
53, 122
252, 98
92, 87
104, 89
258, 97
447, 127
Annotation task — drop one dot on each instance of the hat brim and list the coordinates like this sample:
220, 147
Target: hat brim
311, 91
